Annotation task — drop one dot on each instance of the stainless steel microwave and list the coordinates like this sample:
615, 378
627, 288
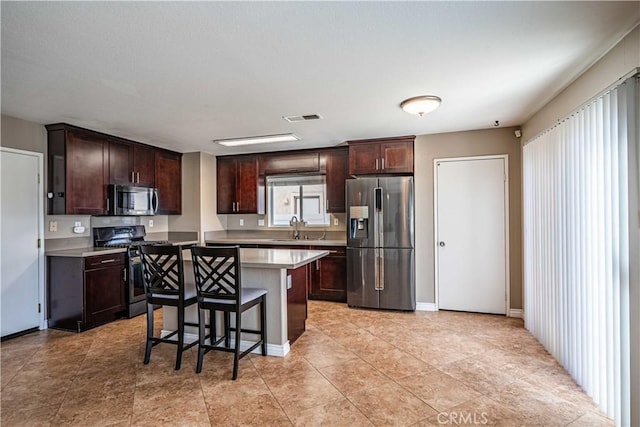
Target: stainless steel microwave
127, 200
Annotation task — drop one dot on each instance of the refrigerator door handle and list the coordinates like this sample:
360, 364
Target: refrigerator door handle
376, 269
379, 270
379, 217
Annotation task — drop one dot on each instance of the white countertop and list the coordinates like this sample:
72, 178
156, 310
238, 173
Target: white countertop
91, 251
251, 258
275, 242
273, 258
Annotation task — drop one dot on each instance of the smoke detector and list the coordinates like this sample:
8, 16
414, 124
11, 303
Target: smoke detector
306, 117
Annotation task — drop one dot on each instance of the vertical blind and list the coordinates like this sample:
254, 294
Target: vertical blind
576, 245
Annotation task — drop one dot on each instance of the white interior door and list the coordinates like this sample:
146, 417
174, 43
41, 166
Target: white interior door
471, 237
21, 260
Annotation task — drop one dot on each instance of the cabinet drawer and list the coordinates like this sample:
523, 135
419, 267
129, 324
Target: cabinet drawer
100, 261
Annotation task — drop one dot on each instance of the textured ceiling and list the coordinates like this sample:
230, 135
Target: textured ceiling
179, 74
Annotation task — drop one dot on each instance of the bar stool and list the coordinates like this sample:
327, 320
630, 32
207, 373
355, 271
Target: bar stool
163, 278
219, 287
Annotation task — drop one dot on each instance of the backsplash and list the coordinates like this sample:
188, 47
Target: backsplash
152, 224
250, 222
59, 232
272, 233
61, 226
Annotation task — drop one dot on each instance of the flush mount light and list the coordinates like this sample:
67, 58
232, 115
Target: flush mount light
421, 105
264, 139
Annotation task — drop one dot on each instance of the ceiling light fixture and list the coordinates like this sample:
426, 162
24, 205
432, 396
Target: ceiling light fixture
265, 139
421, 105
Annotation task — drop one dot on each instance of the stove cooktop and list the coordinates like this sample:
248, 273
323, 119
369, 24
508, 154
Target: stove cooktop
136, 243
122, 237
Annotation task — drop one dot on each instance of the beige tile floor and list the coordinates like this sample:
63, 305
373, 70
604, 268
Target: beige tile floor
351, 368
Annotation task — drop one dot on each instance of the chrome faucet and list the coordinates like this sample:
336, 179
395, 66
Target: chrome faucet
294, 223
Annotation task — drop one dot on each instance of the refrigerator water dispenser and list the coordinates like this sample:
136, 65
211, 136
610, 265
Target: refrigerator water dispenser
359, 222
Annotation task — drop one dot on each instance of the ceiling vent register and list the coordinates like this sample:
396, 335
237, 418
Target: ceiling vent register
293, 119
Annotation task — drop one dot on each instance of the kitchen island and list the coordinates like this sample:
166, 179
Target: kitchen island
283, 273
327, 279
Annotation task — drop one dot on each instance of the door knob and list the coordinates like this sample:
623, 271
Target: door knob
442, 244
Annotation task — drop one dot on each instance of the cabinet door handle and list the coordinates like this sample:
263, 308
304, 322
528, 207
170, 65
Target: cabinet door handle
124, 274
317, 265
137, 177
237, 206
133, 178
233, 206
383, 163
105, 261
107, 205
376, 164
327, 205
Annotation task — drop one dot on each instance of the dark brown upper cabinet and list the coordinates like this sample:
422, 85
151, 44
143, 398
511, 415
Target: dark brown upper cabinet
78, 171
289, 163
81, 164
168, 181
131, 164
121, 163
336, 163
381, 156
145, 166
237, 185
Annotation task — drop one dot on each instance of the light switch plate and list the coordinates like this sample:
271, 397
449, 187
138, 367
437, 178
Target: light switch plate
261, 222
241, 222
77, 224
336, 221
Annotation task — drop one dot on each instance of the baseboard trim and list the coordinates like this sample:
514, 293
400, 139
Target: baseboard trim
516, 312
426, 306
272, 349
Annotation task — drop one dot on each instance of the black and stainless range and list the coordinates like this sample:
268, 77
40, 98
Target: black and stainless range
130, 237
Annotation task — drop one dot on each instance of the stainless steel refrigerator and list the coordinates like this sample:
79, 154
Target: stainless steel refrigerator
380, 243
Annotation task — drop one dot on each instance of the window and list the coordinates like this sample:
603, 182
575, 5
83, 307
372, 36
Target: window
300, 196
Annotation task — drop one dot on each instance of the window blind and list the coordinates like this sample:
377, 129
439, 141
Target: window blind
576, 244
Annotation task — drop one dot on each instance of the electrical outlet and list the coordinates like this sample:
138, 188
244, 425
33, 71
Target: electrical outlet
241, 222
53, 226
150, 223
261, 222
77, 224
336, 221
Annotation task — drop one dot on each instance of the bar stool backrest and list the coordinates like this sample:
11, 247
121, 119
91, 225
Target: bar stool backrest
162, 271
217, 273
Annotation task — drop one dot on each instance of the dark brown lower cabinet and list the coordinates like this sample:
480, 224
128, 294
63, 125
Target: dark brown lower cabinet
329, 275
296, 302
85, 292
326, 277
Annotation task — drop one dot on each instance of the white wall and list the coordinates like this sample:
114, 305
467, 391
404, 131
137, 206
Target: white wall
23, 135
189, 220
198, 196
463, 144
618, 62
209, 219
